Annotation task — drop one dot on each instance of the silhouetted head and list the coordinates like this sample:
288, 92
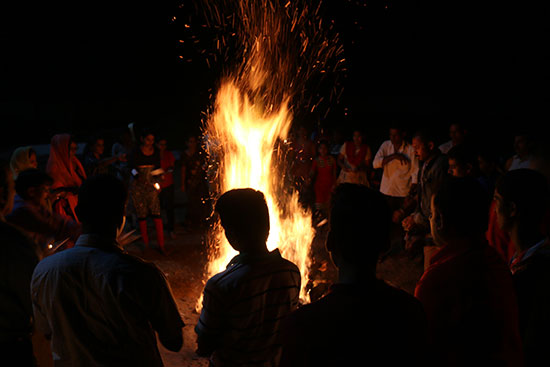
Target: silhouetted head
460, 209
458, 133
463, 161
34, 185
245, 218
359, 226
101, 204
521, 198
397, 135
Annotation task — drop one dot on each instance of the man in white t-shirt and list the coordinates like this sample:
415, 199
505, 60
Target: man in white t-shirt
400, 172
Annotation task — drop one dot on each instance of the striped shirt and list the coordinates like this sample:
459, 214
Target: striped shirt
243, 307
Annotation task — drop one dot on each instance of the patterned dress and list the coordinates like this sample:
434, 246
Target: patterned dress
145, 196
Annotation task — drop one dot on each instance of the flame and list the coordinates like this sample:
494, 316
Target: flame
280, 47
245, 139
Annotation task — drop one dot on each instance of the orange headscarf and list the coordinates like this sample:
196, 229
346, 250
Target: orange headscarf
65, 171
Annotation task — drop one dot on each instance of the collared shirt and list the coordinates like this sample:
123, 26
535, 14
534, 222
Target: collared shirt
17, 261
102, 306
243, 307
397, 177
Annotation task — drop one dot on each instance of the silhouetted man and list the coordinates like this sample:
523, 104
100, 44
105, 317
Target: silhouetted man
362, 320
467, 290
99, 305
243, 305
18, 257
521, 205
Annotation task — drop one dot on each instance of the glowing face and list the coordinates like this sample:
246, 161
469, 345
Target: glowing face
420, 149
33, 162
148, 140
99, 147
73, 148
456, 169
323, 150
396, 137
162, 145
357, 138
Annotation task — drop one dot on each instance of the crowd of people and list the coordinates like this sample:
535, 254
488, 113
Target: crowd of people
478, 221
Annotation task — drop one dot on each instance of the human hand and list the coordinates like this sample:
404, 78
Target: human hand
397, 215
402, 158
408, 223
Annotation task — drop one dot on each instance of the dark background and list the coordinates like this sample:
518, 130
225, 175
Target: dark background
83, 67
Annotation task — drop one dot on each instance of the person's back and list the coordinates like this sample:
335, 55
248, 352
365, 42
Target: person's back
362, 319
467, 291
470, 302
522, 198
97, 301
257, 291
99, 305
17, 261
354, 324
243, 306
531, 282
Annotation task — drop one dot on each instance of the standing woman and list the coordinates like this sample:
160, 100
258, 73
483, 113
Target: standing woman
323, 172
355, 159
144, 164
67, 173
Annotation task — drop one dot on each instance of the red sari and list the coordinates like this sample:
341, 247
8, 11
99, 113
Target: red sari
67, 173
324, 169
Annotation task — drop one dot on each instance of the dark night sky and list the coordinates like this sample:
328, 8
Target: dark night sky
84, 66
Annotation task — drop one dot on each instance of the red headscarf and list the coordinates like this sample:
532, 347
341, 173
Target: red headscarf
65, 171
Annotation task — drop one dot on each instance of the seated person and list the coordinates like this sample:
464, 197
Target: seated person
31, 212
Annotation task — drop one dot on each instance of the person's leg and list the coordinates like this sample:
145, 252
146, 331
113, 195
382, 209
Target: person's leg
143, 230
160, 232
169, 207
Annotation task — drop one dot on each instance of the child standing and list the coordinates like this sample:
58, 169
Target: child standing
323, 172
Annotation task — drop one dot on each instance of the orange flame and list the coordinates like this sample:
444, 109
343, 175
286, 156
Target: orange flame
244, 137
281, 48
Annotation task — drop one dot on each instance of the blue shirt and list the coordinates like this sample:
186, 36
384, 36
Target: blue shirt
102, 306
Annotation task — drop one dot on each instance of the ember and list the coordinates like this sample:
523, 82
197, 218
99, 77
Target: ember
246, 133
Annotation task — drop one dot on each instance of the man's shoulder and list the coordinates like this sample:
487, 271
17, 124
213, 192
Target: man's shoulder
240, 272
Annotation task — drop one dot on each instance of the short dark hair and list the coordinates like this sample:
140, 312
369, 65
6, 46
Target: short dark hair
464, 205
245, 213
464, 154
31, 178
359, 222
528, 190
425, 135
101, 199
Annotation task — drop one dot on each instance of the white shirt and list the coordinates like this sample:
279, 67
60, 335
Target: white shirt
445, 147
517, 163
397, 177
